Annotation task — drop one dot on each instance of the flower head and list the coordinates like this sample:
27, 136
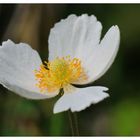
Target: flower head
76, 57
60, 73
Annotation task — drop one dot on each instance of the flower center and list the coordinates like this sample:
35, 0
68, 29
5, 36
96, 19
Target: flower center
59, 73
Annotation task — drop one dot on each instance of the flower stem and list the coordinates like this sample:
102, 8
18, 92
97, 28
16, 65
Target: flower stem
76, 123
73, 123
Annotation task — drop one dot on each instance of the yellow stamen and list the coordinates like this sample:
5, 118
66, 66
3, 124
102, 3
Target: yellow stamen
59, 73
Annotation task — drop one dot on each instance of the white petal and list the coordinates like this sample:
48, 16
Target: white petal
74, 34
17, 65
80, 99
99, 61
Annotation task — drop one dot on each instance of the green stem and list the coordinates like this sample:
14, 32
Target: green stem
73, 123
76, 123
72, 120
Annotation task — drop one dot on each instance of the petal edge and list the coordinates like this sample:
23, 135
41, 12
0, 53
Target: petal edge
80, 99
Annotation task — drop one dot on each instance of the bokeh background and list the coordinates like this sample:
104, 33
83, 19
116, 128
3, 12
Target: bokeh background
118, 115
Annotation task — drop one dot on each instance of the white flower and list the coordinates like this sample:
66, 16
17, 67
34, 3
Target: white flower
76, 56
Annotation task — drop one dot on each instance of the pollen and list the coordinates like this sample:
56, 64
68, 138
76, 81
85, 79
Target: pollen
59, 73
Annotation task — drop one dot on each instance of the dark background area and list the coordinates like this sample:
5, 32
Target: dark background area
118, 115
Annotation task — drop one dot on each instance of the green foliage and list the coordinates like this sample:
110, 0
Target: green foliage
126, 118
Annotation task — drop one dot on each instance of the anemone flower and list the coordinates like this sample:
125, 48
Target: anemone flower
76, 57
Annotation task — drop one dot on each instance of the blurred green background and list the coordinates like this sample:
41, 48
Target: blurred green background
118, 115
